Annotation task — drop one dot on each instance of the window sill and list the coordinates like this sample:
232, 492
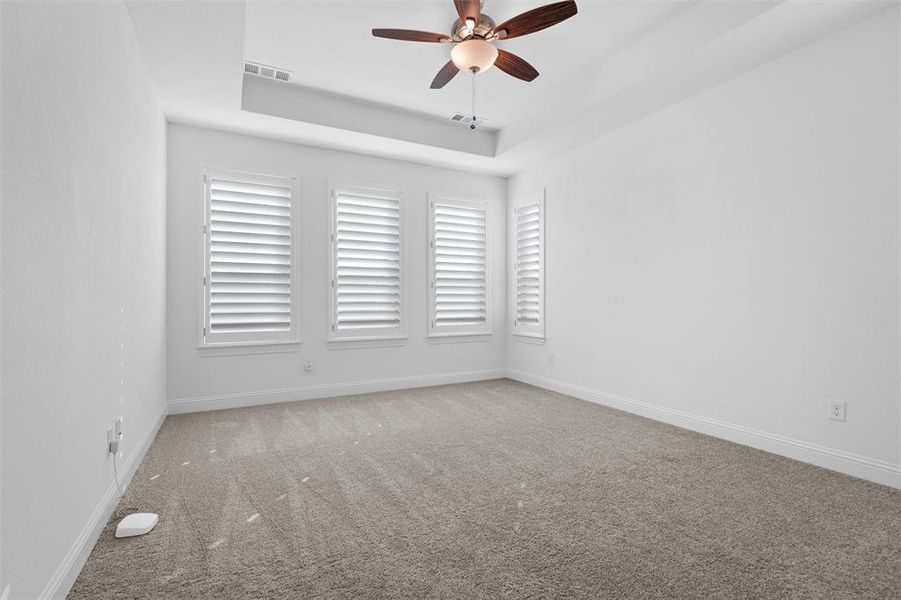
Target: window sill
231, 349
459, 338
373, 342
529, 338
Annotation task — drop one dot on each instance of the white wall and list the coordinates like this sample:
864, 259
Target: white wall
735, 256
4, 588
83, 276
197, 381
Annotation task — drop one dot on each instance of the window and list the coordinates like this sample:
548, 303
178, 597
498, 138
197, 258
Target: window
249, 272
366, 263
458, 275
529, 267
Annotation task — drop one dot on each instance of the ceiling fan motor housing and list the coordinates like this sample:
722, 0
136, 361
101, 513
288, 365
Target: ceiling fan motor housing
460, 30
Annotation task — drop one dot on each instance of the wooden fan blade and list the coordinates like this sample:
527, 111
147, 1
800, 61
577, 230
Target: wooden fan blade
511, 64
468, 9
411, 35
536, 19
446, 73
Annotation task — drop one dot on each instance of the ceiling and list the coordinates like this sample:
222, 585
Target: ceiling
302, 37
611, 64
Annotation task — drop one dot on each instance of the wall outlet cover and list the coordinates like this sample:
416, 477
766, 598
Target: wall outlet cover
837, 410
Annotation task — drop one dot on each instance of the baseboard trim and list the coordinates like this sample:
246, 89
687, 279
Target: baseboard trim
67, 572
328, 390
871, 469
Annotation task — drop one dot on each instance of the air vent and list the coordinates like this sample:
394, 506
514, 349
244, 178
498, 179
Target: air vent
267, 71
466, 119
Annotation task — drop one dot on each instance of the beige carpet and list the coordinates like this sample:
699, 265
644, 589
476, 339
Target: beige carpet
486, 490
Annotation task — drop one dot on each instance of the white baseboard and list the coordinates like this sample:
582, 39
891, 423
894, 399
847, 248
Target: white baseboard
863, 467
67, 572
328, 390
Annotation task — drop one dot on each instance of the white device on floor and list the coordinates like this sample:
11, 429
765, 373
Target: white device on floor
136, 524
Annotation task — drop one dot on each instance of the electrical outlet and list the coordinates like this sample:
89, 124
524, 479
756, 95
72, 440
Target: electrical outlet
550, 359
120, 427
837, 409
308, 365
112, 442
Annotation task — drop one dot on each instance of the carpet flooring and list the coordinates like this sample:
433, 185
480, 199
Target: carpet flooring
485, 490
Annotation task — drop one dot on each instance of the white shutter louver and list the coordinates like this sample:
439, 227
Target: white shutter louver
459, 282
249, 275
366, 264
529, 318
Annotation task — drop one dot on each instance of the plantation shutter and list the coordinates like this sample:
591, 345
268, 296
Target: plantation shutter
459, 267
249, 276
367, 264
529, 269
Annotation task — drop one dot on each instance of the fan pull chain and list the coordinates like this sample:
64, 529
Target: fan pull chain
473, 124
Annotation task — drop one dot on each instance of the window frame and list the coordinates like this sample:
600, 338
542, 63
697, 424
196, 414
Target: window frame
238, 343
529, 332
460, 331
375, 337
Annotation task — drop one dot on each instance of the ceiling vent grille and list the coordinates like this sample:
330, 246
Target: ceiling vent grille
266, 71
466, 119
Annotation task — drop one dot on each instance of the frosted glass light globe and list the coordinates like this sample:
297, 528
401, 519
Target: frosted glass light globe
474, 55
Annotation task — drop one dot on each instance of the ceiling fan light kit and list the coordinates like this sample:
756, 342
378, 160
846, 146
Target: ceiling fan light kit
474, 34
474, 55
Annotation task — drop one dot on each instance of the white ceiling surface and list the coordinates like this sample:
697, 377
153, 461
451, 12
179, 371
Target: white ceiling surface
608, 66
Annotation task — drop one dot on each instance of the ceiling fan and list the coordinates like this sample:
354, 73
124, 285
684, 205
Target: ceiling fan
473, 36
